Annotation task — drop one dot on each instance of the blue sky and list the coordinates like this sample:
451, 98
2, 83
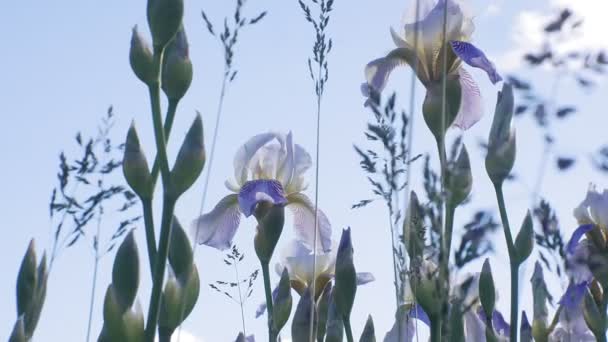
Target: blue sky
65, 62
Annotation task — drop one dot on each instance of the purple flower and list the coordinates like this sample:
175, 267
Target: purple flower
421, 45
268, 167
572, 325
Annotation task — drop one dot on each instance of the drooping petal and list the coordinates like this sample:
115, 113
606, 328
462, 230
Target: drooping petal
246, 152
471, 108
364, 278
304, 222
574, 295
406, 327
262, 307
259, 190
418, 313
576, 236
474, 57
217, 228
578, 262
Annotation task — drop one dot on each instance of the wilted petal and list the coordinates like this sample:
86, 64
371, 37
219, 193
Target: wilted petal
474, 57
304, 222
471, 109
246, 152
217, 228
364, 278
260, 190
576, 236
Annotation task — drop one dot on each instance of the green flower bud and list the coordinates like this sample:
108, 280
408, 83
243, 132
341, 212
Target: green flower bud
27, 280
540, 296
432, 108
369, 333
300, 326
335, 325
164, 19
487, 292
345, 287
120, 323
135, 165
177, 68
140, 57
282, 303
323, 310
413, 228
125, 272
270, 226
460, 178
425, 286
190, 159
501, 143
180, 250
592, 315
32, 317
524, 242
18, 333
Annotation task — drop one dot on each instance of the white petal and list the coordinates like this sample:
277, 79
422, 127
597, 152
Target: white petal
378, 71
398, 40
471, 109
304, 222
302, 160
364, 278
408, 331
218, 227
246, 152
286, 170
475, 329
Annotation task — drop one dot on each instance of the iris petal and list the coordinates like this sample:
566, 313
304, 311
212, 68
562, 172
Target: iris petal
474, 57
364, 278
576, 236
471, 109
574, 295
418, 313
259, 190
246, 152
217, 228
304, 222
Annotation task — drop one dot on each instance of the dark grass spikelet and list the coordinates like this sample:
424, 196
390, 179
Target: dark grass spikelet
240, 289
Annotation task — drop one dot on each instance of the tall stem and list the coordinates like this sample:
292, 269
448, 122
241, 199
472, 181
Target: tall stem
92, 300
436, 329
348, 329
269, 307
159, 268
169, 118
512, 261
150, 236
238, 285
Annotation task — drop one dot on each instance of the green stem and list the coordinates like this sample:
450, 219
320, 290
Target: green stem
164, 335
169, 118
449, 228
159, 267
512, 261
348, 329
159, 134
444, 239
150, 236
436, 329
269, 307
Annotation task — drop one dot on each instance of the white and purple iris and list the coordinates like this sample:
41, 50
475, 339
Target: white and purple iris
420, 44
268, 167
572, 325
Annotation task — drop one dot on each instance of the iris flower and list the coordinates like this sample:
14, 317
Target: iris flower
594, 208
268, 167
572, 325
421, 45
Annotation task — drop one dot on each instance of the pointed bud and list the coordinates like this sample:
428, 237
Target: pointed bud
135, 165
120, 323
501, 143
323, 310
413, 228
487, 292
433, 106
270, 226
27, 281
177, 68
346, 276
592, 315
282, 303
425, 286
525, 330
180, 250
32, 317
461, 179
140, 57
18, 334
369, 333
134, 324
300, 326
190, 159
524, 242
125, 272
335, 326
178, 299
164, 19
540, 296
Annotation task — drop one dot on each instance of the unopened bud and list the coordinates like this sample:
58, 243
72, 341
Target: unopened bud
282, 303
425, 286
190, 159
177, 68
413, 228
125, 272
135, 165
27, 280
164, 19
433, 106
524, 242
501, 143
178, 299
346, 276
461, 179
487, 291
269, 229
18, 333
140, 57
369, 333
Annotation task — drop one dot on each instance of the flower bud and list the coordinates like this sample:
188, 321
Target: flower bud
135, 165
335, 325
32, 317
18, 333
433, 106
190, 159
540, 295
125, 272
369, 333
300, 326
120, 323
140, 57
164, 19
592, 315
180, 250
501, 143
461, 179
524, 242
413, 228
425, 286
27, 280
346, 276
282, 303
487, 292
269, 229
177, 68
